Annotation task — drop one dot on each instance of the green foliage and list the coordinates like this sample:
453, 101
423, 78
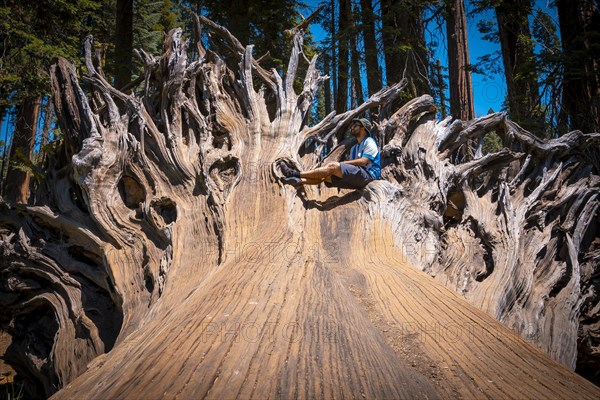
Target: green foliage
33, 33
488, 30
12, 390
549, 66
264, 22
22, 162
151, 20
15, 394
492, 143
488, 65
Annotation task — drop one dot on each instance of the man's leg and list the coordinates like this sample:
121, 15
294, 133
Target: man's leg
322, 173
305, 181
311, 177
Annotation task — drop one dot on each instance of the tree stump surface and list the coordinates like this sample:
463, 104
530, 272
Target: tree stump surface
162, 257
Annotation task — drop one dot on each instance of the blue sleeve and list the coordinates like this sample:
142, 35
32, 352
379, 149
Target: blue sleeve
370, 150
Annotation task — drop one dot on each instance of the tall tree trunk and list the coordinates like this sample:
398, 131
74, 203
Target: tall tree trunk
461, 88
519, 63
327, 85
239, 20
46, 127
47, 122
123, 43
343, 69
441, 89
3, 117
357, 87
334, 64
21, 150
371, 53
580, 33
391, 42
165, 234
404, 44
4, 143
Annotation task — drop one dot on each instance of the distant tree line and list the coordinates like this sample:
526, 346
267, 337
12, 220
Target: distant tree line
551, 68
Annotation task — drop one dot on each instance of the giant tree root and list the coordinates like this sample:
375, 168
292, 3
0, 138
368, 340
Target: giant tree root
163, 258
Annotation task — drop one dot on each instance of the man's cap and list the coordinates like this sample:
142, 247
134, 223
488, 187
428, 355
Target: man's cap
364, 122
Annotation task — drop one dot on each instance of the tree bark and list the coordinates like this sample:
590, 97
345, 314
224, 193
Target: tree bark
327, 86
519, 63
334, 58
581, 89
21, 150
123, 43
371, 52
4, 161
441, 89
47, 122
404, 45
164, 234
393, 72
343, 66
459, 65
239, 21
357, 87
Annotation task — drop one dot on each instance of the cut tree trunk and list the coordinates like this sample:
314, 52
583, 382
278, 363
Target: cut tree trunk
165, 239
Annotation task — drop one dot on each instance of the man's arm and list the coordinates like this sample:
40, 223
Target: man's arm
359, 162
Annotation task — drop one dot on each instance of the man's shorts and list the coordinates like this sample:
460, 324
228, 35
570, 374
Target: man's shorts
353, 177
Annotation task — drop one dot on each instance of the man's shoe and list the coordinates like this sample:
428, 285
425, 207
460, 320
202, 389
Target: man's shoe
289, 172
292, 180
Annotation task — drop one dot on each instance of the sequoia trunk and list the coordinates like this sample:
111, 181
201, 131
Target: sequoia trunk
580, 35
17, 178
459, 64
519, 63
371, 53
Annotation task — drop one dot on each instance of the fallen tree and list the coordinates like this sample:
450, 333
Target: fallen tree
162, 236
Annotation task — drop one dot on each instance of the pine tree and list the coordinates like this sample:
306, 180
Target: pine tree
404, 44
461, 88
123, 42
519, 62
343, 68
356, 56
580, 32
371, 51
549, 67
32, 35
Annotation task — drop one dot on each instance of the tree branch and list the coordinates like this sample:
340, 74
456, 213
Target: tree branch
322, 132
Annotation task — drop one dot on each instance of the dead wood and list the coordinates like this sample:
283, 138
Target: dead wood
162, 257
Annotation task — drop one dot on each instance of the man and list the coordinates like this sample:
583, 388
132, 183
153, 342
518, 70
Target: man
362, 168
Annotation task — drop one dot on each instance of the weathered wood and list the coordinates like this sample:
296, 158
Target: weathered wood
162, 237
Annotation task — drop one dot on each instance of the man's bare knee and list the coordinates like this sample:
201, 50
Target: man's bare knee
332, 166
335, 169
